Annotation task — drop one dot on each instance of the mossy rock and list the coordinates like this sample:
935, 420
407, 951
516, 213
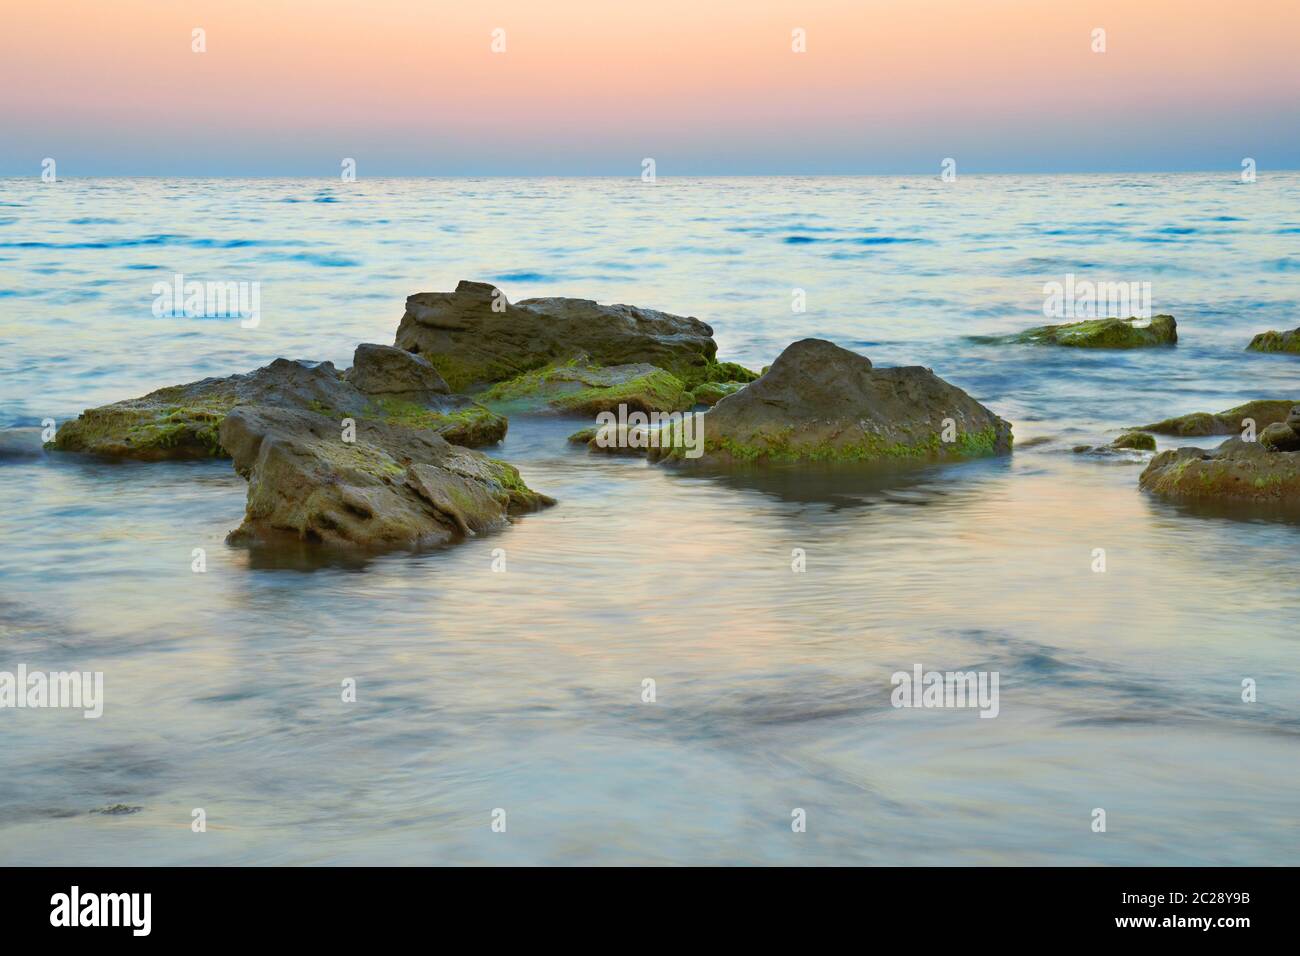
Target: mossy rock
1138, 441
578, 387
183, 421
389, 486
1276, 342
822, 403
717, 373
459, 420
1263, 412
475, 337
1111, 333
710, 393
1237, 471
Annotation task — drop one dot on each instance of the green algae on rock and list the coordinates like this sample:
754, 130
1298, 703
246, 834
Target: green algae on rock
580, 387
391, 487
1276, 342
1138, 441
183, 421
710, 393
1111, 333
819, 402
1236, 471
474, 336
1263, 413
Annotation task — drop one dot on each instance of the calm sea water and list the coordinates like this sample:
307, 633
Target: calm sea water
522, 690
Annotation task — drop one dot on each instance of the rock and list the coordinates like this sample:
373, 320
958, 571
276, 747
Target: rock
710, 393
21, 442
1110, 333
819, 402
1280, 436
620, 445
386, 370
1124, 450
182, 421
472, 344
1264, 413
393, 487
1139, 441
579, 387
1236, 471
1276, 342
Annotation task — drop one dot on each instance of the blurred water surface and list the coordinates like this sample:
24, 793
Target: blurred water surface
522, 690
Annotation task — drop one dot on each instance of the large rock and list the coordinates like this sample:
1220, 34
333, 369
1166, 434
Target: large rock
1113, 333
472, 344
1263, 412
819, 402
1276, 342
393, 487
1236, 471
579, 387
182, 421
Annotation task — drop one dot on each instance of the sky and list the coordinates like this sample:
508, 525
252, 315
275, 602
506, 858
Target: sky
592, 87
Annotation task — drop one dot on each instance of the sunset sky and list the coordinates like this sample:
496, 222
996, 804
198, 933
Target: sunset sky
590, 87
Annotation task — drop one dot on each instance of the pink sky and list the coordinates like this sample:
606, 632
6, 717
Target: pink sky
591, 86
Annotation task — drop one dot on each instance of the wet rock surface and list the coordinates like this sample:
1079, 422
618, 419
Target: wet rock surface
1112, 333
183, 421
1276, 342
819, 402
1232, 421
475, 337
392, 487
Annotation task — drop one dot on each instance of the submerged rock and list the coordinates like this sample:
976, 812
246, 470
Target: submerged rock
615, 440
475, 337
21, 442
1127, 449
182, 421
393, 487
1276, 342
1110, 333
1263, 412
819, 402
580, 387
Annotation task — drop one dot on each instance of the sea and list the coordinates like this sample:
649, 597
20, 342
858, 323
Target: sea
667, 667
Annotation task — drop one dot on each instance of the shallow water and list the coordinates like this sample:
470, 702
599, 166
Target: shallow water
522, 690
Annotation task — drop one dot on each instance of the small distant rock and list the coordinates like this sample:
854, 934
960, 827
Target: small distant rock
1139, 441
117, 810
1112, 333
1276, 342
